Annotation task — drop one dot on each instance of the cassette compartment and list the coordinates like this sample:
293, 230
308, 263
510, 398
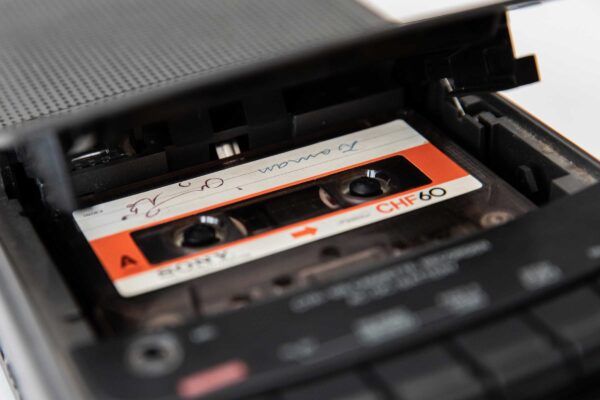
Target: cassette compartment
176, 250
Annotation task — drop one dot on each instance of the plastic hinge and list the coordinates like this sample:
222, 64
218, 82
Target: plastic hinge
488, 67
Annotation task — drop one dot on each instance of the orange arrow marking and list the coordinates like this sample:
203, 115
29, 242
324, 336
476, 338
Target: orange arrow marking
309, 230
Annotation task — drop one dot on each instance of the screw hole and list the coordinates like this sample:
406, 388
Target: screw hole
241, 299
330, 252
283, 281
154, 353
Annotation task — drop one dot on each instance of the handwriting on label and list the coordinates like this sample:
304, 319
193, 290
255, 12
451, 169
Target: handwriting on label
151, 206
342, 148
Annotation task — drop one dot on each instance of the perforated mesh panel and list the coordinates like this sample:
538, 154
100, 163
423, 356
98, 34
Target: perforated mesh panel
59, 55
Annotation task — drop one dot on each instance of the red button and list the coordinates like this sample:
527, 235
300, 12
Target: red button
212, 379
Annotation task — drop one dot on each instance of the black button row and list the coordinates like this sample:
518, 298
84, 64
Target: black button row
526, 357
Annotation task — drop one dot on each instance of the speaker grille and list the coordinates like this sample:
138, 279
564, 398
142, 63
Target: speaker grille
57, 56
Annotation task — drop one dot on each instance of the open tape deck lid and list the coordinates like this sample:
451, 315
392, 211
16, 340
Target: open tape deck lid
67, 61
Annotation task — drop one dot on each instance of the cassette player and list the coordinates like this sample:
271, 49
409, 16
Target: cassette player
345, 210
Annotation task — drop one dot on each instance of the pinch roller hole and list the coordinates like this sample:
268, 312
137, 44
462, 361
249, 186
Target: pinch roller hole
365, 186
205, 231
199, 235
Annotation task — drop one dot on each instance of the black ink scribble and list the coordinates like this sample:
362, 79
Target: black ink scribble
285, 164
184, 184
348, 147
343, 148
150, 206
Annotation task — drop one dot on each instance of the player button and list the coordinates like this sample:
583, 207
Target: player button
429, 374
263, 397
525, 363
347, 386
575, 318
213, 379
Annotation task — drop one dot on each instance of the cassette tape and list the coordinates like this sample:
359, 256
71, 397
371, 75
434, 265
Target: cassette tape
244, 213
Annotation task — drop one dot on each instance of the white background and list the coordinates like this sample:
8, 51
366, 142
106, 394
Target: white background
566, 38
